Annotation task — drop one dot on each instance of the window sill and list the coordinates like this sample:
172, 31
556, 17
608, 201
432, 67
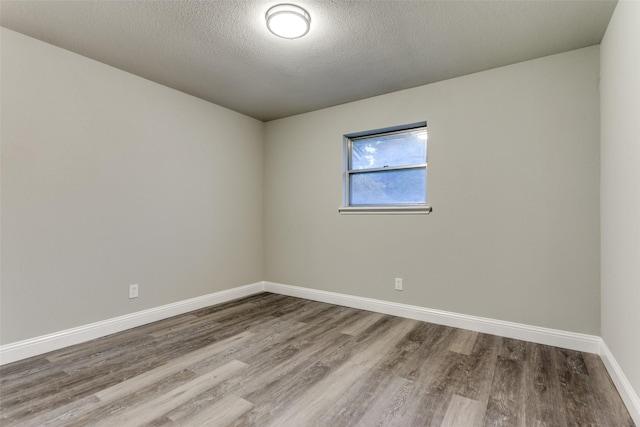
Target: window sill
385, 210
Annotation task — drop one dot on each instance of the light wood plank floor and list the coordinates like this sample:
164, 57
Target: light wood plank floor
272, 360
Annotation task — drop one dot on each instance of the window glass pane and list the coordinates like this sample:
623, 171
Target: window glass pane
388, 150
392, 187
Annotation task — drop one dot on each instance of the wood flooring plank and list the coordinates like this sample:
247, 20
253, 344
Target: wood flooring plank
109, 357
300, 341
541, 389
366, 395
19, 390
176, 345
137, 381
61, 416
409, 349
247, 301
94, 410
289, 307
111, 344
184, 362
302, 364
604, 392
427, 397
324, 393
434, 388
135, 364
161, 422
475, 383
463, 341
249, 310
291, 370
383, 410
502, 407
14, 373
574, 386
308, 311
60, 393
433, 348
362, 324
463, 412
326, 312
184, 323
218, 414
147, 412
579, 389
300, 372
279, 395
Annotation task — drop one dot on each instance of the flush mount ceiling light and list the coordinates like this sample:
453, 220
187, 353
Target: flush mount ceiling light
288, 21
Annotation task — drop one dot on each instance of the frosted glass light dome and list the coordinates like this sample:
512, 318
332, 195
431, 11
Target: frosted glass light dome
288, 21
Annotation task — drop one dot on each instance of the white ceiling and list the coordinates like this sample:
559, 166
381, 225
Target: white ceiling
221, 51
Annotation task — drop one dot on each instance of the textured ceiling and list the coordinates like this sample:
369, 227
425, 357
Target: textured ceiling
221, 51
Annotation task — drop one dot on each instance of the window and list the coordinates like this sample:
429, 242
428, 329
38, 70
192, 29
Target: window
386, 171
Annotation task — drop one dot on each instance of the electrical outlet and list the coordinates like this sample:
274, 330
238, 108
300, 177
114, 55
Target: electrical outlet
398, 284
133, 291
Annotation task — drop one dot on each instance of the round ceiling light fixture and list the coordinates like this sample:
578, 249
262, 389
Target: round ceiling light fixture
288, 21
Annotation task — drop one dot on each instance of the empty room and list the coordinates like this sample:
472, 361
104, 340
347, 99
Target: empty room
320, 213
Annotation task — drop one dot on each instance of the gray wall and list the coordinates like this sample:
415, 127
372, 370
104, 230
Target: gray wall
109, 179
513, 179
620, 121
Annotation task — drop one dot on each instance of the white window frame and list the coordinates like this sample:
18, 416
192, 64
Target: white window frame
401, 208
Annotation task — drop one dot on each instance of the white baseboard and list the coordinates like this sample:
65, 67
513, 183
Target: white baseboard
627, 393
553, 337
46, 343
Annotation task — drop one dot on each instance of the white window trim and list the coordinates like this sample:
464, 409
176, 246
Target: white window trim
402, 209
393, 210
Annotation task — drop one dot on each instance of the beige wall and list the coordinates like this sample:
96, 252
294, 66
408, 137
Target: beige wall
109, 179
513, 179
620, 186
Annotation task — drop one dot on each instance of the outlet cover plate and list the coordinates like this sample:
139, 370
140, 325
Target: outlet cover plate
133, 291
